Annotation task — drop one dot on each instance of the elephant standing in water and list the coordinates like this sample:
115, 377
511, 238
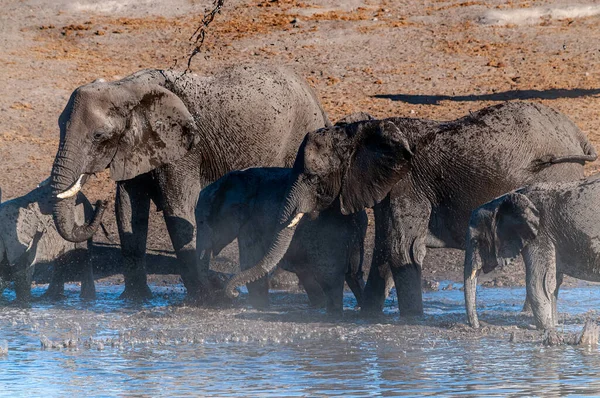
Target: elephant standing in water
554, 225
324, 252
423, 178
165, 135
21, 220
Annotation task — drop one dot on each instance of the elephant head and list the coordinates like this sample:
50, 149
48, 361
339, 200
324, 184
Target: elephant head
131, 126
498, 232
350, 166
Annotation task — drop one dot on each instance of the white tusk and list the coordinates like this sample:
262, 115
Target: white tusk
44, 183
295, 221
474, 273
71, 191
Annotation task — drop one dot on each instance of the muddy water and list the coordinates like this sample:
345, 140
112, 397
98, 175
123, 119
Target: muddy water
166, 348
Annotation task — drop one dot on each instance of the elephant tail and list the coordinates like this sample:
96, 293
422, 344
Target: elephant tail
590, 155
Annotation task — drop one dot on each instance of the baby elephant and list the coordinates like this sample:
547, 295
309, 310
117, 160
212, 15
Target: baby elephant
324, 251
556, 226
28, 236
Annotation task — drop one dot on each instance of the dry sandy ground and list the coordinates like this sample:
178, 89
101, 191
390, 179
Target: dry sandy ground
429, 58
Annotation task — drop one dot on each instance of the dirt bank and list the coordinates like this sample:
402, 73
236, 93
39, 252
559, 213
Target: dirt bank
437, 59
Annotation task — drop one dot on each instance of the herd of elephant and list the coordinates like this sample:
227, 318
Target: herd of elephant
250, 154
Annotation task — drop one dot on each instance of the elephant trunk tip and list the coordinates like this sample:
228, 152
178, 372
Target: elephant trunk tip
231, 288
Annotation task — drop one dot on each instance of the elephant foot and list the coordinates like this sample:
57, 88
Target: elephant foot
88, 294
53, 295
55, 292
136, 293
372, 307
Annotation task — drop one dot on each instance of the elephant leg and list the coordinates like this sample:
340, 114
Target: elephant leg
401, 227
541, 281
526, 305
354, 273
313, 289
179, 191
132, 210
22, 279
56, 288
88, 286
333, 288
559, 281
374, 294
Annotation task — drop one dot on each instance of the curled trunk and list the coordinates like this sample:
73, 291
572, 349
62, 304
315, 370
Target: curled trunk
66, 174
276, 252
64, 218
290, 215
470, 287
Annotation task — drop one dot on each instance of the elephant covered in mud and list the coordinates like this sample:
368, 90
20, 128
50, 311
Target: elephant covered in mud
323, 252
165, 135
423, 178
555, 226
24, 217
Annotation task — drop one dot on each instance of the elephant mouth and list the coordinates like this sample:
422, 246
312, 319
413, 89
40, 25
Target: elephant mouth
74, 189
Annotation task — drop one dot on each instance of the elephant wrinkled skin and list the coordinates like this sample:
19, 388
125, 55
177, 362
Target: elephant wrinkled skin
165, 135
325, 249
423, 178
555, 226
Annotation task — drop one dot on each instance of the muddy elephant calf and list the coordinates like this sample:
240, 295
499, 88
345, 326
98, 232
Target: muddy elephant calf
28, 236
325, 250
555, 226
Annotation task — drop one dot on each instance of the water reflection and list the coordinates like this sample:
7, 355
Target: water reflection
164, 349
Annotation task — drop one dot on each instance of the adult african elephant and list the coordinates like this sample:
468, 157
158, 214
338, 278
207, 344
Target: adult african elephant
423, 178
165, 135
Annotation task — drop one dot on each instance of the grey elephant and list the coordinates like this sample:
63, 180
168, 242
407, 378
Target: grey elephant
555, 226
423, 178
324, 252
165, 135
24, 217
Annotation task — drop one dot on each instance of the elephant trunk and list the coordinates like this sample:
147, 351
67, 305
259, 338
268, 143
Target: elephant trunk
290, 215
471, 271
66, 183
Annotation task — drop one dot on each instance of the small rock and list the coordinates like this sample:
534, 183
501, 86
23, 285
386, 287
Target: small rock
512, 338
449, 286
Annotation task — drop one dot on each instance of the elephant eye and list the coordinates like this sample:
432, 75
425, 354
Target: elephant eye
312, 178
101, 135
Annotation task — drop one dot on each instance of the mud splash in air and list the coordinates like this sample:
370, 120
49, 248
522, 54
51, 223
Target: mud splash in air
534, 15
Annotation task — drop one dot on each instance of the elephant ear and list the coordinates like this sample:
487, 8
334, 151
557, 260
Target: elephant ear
160, 130
516, 224
381, 157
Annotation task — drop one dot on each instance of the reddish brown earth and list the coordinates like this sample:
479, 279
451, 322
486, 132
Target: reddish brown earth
430, 58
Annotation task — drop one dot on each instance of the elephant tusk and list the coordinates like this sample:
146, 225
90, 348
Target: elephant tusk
474, 274
71, 191
295, 220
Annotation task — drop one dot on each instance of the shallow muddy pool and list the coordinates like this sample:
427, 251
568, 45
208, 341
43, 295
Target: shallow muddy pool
163, 348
